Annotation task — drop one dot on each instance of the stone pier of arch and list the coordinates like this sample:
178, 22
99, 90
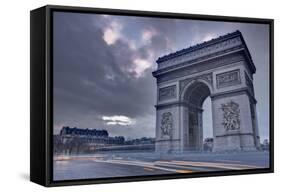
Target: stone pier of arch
222, 69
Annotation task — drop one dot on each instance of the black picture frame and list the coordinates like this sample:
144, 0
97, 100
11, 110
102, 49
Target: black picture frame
41, 108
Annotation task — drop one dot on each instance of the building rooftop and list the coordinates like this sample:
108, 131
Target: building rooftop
80, 131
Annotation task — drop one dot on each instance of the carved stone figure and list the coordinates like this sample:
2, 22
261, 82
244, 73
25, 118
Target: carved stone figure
166, 124
231, 116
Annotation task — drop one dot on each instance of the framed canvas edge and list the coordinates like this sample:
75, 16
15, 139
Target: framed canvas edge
49, 93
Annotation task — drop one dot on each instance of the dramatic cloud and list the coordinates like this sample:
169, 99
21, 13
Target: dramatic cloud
140, 66
103, 66
117, 120
112, 33
147, 34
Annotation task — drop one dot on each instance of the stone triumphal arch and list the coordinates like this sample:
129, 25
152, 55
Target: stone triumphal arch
221, 68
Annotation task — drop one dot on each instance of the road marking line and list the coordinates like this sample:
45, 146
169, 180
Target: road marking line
140, 164
230, 161
216, 165
171, 165
186, 167
148, 169
184, 171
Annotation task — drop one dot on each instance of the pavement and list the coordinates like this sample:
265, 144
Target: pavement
105, 165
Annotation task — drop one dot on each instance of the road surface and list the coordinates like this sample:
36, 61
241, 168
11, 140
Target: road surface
140, 164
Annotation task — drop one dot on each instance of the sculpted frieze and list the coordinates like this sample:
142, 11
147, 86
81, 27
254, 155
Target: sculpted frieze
189, 70
228, 78
202, 52
167, 93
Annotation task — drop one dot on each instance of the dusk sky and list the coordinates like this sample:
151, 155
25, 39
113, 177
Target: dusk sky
103, 69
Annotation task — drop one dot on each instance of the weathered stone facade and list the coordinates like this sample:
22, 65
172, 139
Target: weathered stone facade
221, 68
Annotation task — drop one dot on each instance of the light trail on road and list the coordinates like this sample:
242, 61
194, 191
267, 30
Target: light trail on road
139, 164
142, 164
179, 166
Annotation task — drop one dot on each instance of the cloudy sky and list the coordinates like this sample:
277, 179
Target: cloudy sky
103, 65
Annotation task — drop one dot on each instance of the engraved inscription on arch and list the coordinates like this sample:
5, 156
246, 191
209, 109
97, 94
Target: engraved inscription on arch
228, 78
167, 93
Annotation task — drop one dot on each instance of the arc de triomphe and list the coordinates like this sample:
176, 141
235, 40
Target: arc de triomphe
221, 68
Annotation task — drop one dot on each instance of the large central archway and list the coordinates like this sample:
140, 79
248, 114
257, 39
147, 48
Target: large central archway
222, 69
194, 95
